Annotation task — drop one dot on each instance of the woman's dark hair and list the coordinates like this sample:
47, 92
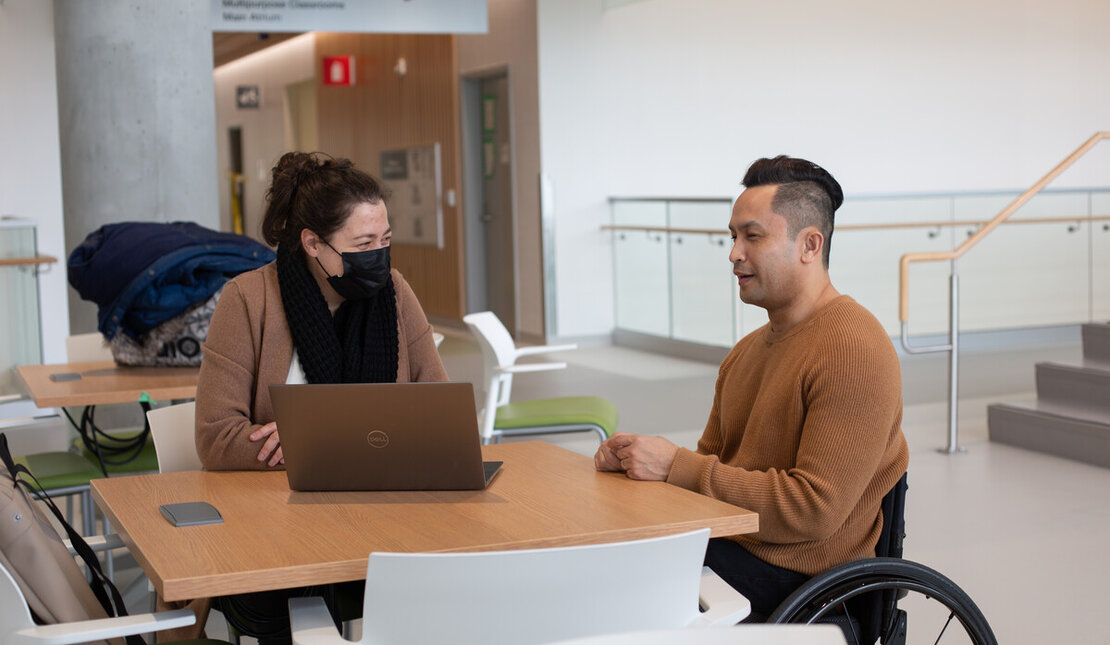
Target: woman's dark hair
315, 191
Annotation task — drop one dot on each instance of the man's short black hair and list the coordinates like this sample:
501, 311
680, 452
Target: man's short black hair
807, 194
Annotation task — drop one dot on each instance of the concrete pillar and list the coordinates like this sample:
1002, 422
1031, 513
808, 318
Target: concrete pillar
136, 113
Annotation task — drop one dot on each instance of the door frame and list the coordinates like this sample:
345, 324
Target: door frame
470, 110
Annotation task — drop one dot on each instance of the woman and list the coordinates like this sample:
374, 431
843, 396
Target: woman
328, 310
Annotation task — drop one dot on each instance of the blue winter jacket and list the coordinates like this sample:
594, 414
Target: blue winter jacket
142, 274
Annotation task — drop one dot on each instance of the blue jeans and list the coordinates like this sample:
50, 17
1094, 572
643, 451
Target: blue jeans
762, 583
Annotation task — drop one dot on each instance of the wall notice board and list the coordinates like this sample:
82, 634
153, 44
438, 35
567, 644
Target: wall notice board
413, 176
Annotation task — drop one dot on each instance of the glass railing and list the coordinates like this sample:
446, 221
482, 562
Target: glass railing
19, 323
1049, 265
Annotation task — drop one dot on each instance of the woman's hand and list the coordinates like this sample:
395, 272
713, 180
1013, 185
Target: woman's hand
271, 449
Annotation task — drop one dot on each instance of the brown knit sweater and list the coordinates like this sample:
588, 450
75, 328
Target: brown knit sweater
249, 347
805, 430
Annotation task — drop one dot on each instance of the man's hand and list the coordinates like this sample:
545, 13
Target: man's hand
271, 449
604, 459
640, 457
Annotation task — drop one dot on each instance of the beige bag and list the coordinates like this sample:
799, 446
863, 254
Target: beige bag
31, 550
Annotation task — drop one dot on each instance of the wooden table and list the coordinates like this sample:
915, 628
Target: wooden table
106, 382
273, 538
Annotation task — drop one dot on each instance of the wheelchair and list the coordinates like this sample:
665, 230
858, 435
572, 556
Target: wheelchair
862, 596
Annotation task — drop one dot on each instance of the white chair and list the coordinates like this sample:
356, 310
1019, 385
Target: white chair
20, 629
501, 418
531, 596
754, 634
437, 338
173, 430
175, 437
87, 348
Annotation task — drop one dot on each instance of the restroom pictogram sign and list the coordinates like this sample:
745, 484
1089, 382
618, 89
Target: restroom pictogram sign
339, 70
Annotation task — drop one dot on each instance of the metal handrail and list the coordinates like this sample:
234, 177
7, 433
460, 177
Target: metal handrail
32, 261
863, 227
953, 292
929, 256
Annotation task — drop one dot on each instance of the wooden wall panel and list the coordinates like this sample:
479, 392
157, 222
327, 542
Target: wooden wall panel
385, 110
229, 46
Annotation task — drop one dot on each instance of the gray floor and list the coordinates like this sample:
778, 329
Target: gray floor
1019, 531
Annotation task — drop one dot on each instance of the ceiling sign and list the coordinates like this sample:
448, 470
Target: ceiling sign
361, 16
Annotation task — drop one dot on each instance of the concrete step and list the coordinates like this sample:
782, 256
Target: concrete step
1096, 342
1086, 385
1052, 429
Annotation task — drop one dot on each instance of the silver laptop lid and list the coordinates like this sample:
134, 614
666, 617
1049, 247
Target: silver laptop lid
379, 436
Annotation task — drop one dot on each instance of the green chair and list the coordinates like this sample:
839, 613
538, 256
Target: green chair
120, 452
536, 417
66, 474
563, 414
61, 473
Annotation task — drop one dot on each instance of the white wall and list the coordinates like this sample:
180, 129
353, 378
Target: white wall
272, 69
30, 168
674, 98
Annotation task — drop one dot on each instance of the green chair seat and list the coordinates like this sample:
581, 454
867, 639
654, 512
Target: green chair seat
145, 462
562, 411
58, 470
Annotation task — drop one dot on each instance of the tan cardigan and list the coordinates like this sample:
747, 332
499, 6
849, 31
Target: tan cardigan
249, 347
805, 430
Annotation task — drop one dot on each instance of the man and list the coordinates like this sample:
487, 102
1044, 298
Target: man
805, 427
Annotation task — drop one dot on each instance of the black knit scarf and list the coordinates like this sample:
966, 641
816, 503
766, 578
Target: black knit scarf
358, 346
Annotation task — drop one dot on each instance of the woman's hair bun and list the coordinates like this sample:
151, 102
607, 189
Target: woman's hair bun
316, 191
295, 167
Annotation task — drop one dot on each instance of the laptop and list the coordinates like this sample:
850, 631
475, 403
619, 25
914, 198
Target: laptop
380, 436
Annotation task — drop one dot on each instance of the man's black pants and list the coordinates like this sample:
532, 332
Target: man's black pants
762, 583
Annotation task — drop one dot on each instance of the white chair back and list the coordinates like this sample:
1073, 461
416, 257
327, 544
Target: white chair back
14, 614
498, 350
173, 429
86, 348
492, 336
533, 596
18, 628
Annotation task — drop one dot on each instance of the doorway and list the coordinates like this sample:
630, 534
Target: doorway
301, 117
488, 206
235, 176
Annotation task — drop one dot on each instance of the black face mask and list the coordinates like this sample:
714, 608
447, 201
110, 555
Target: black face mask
365, 273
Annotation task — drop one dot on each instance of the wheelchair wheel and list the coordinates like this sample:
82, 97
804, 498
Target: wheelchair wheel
940, 608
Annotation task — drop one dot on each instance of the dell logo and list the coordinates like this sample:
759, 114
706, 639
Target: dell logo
377, 439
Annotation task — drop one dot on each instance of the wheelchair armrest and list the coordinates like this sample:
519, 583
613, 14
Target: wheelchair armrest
311, 624
723, 605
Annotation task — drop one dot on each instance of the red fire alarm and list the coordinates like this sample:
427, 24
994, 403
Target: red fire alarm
339, 70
